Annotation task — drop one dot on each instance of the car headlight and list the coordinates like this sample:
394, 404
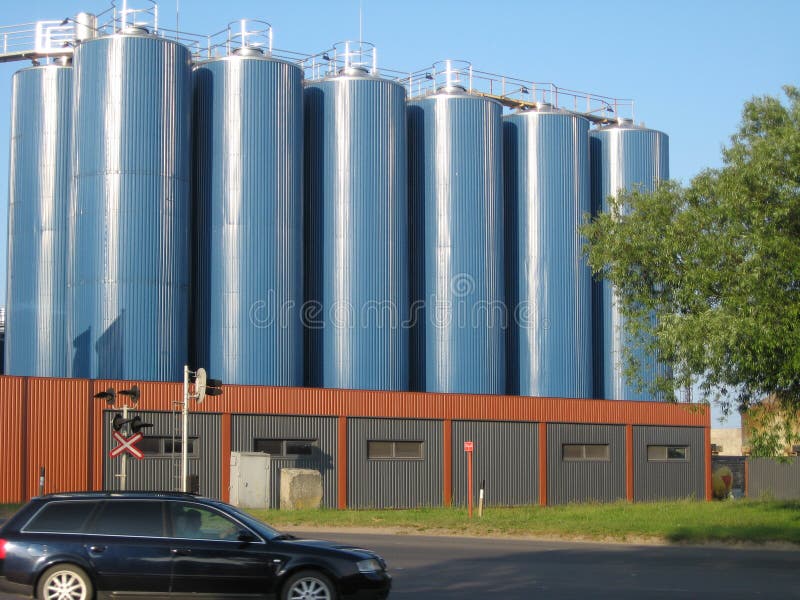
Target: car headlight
369, 566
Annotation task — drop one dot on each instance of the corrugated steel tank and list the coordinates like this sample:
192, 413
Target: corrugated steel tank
456, 208
548, 283
129, 216
248, 128
623, 155
357, 232
39, 191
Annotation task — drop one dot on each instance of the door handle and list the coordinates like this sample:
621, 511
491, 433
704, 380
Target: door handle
181, 551
97, 549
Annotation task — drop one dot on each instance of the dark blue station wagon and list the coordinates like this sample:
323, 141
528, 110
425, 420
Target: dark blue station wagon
79, 546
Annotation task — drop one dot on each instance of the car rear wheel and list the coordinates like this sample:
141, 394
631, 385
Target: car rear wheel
65, 582
308, 585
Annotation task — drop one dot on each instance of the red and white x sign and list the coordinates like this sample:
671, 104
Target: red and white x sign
127, 445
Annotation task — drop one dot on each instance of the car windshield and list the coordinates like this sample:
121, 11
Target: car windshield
251, 521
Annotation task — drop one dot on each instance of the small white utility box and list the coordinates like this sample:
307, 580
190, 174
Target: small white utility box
250, 473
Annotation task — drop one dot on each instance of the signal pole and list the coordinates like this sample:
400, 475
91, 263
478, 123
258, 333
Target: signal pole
203, 386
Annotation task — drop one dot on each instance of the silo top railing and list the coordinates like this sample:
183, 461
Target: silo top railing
512, 92
32, 41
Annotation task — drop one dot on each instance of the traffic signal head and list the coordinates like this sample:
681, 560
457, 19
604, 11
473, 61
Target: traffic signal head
110, 396
132, 393
137, 424
205, 386
118, 421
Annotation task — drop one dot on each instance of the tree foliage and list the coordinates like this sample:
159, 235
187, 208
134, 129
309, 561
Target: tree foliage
718, 264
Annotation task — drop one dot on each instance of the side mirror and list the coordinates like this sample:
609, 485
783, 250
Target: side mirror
246, 536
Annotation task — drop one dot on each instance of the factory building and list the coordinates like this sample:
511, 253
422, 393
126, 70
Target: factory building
378, 266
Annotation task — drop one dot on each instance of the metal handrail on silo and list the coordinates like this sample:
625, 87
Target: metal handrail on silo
249, 33
513, 92
138, 17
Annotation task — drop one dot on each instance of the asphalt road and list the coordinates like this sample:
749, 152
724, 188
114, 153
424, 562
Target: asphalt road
445, 568
450, 568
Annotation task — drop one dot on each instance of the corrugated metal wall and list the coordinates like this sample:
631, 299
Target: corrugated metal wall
40, 169
56, 423
621, 157
582, 481
246, 428
248, 194
128, 277
163, 473
505, 455
766, 477
663, 480
548, 282
13, 458
356, 211
456, 221
394, 483
58, 410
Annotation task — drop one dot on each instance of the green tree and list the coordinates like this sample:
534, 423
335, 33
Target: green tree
718, 264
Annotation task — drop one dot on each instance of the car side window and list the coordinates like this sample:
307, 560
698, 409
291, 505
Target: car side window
139, 518
196, 522
61, 517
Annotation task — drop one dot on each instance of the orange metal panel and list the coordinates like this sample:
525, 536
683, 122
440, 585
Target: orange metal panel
708, 461
11, 458
629, 462
225, 457
341, 459
58, 434
448, 462
543, 464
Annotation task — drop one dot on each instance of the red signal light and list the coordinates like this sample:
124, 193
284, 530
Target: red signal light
3, 548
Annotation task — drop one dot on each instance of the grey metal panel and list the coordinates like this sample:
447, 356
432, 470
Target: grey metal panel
622, 157
548, 282
38, 196
246, 428
505, 455
582, 481
357, 234
248, 194
769, 478
129, 214
456, 208
164, 473
386, 483
663, 480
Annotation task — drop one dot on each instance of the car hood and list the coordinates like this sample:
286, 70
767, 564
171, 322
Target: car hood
358, 553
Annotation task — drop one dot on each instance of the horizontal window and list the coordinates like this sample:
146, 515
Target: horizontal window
585, 452
161, 446
397, 449
284, 447
61, 517
670, 453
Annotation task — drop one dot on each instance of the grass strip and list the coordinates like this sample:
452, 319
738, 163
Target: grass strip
687, 521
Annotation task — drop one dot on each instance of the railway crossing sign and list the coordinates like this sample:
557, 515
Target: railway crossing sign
127, 445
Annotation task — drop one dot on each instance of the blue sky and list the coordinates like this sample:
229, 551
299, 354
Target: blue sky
689, 65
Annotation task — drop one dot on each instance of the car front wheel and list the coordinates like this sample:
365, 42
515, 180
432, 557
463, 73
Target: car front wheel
308, 585
64, 582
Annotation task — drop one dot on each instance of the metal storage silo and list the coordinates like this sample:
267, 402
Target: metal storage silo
456, 207
547, 194
248, 129
623, 156
39, 189
129, 214
357, 226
